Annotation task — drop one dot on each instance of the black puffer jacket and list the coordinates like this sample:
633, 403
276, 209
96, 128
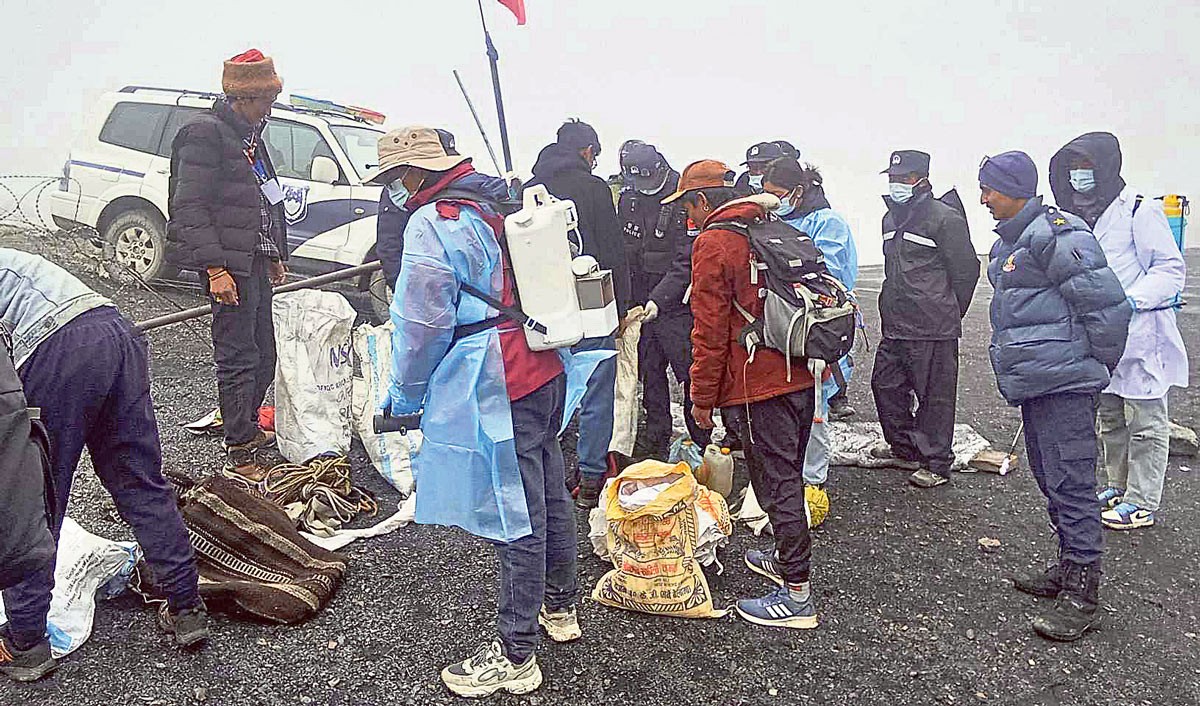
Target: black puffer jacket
26, 545
1059, 315
930, 268
657, 246
1104, 152
213, 197
565, 175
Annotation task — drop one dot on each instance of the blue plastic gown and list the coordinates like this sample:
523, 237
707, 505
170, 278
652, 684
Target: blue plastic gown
832, 235
466, 470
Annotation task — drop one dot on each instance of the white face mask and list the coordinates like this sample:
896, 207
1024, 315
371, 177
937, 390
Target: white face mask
1083, 180
756, 181
900, 192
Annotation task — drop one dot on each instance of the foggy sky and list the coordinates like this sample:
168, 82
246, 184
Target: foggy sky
846, 82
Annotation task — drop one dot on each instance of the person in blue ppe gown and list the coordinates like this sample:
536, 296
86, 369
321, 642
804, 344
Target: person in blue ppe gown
490, 460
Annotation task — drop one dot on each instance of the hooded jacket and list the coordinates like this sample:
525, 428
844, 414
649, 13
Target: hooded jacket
1059, 314
1103, 151
389, 226
1141, 250
721, 373
565, 175
213, 195
657, 246
930, 268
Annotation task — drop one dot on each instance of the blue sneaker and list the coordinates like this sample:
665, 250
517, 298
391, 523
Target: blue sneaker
1126, 516
764, 564
1110, 497
777, 609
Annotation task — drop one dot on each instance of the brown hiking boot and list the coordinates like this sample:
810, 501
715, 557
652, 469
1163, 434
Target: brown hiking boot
241, 465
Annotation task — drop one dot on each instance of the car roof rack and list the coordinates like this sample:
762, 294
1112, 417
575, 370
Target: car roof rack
184, 92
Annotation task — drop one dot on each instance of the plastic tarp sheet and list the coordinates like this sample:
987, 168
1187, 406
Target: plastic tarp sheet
87, 566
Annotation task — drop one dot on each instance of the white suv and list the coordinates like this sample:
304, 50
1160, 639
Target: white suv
115, 180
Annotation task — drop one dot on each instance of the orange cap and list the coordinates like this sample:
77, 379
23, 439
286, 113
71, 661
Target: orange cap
705, 174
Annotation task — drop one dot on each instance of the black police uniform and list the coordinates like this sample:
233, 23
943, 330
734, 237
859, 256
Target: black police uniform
930, 272
659, 251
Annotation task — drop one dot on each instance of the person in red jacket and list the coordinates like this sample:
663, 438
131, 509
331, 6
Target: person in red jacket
771, 416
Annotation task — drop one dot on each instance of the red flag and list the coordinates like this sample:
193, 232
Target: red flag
517, 7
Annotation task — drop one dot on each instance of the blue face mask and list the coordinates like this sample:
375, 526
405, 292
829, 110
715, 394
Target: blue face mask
1083, 180
756, 181
900, 192
785, 205
398, 193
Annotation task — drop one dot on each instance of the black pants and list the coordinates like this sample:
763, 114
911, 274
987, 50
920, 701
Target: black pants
1060, 438
928, 369
666, 343
244, 351
775, 435
91, 380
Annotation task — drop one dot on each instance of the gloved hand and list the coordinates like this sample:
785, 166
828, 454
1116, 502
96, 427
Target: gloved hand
651, 312
394, 406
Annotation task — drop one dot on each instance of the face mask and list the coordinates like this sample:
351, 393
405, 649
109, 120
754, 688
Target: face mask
785, 205
398, 193
1083, 180
756, 181
900, 192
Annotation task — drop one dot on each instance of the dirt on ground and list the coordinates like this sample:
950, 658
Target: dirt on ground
912, 609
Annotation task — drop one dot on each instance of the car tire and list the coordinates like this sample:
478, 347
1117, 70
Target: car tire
137, 241
380, 293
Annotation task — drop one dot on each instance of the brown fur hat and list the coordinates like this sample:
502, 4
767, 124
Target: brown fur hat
251, 75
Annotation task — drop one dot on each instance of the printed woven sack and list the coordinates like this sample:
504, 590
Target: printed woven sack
652, 536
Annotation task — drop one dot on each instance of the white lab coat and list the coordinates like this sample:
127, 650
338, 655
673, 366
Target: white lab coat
1141, 251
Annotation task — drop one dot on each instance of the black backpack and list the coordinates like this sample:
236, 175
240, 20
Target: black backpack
27, 501
807, 313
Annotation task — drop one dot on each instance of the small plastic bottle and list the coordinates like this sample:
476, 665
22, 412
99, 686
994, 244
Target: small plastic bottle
718, 470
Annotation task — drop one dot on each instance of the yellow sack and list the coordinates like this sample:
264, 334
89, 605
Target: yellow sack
653, 545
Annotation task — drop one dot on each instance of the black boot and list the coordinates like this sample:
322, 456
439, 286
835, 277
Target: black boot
589, 491
1077, 608
25, 665
1046, 584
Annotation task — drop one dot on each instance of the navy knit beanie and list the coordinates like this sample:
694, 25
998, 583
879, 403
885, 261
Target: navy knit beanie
1012, 174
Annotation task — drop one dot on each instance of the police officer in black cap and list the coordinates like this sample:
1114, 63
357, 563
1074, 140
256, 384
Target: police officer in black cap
930, 271
757, 159
658, 246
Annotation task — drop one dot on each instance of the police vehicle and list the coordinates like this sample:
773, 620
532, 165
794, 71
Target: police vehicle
115, 179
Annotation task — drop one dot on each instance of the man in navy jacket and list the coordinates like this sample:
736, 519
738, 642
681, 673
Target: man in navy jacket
1059, 324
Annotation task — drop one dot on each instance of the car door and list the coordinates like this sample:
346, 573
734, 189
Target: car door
318, 215
155, 187
127, 142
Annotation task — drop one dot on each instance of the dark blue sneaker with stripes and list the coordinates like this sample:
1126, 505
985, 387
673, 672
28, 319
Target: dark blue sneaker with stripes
763, 564
778, 609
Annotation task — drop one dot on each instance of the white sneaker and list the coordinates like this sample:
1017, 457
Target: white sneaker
561, 627
488, 671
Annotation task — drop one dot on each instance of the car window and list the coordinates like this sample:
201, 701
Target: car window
137, 126
178, 118
360, 144
293, 147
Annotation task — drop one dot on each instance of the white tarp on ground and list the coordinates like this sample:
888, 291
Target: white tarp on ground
403, 517
312, 374
86, 565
